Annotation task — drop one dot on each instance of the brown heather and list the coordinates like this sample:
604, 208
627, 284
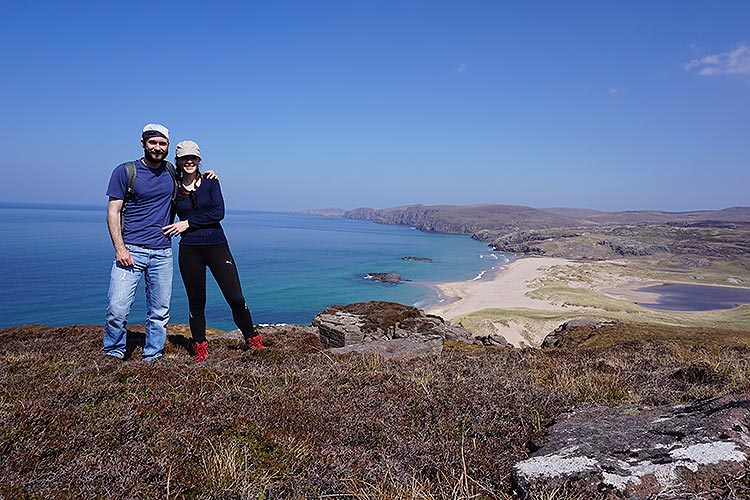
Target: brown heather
292, 421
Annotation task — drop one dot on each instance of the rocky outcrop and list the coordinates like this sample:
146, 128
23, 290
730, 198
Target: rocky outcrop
527, 242
665, 452
418, 259
392, 278
491, 340
633, 248
377, 321
363, 213
573, 332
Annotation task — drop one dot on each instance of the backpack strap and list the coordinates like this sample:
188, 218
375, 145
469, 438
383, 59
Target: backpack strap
130, 168
173, 172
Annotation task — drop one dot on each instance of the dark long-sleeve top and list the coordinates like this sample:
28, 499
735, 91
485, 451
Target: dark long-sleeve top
204, 210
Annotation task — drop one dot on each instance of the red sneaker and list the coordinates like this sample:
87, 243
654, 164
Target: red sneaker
201, 351
255, 342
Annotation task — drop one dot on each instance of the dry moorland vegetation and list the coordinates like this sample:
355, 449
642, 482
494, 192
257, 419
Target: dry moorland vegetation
292, 421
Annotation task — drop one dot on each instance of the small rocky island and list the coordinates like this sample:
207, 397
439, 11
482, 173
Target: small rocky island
391, 278
417, 259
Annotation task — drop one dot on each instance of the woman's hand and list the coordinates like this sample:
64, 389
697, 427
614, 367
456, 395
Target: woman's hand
210, 174
175, 229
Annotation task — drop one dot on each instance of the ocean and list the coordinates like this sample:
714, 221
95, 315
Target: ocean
55, 263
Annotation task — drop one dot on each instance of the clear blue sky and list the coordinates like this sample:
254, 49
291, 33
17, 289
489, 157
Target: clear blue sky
606, 105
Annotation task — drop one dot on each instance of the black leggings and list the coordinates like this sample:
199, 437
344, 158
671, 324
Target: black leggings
193, 262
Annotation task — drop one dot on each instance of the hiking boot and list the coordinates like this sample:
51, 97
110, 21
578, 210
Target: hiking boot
255, 342
201, 351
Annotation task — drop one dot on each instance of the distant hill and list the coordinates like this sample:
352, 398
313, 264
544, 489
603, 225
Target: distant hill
574, 212
691, 238
325, 212
466, 219
735, 214
469, 219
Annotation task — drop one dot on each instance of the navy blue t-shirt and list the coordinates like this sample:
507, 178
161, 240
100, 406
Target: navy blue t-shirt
149, 208
203, 209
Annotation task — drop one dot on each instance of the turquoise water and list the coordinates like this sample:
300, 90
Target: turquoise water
55, 264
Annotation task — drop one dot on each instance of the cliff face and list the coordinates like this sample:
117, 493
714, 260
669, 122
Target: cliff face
465, 219
692, 238
421, 217
510, 218
363, 213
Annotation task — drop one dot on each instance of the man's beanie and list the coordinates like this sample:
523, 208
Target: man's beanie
154, 129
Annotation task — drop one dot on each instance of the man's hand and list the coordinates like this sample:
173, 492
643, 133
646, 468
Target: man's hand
176, 228
124, 258
210, 174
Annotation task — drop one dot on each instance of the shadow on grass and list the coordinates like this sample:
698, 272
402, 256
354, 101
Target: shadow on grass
138, 339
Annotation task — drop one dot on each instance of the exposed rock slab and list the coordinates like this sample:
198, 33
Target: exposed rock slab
378, 324
641, 453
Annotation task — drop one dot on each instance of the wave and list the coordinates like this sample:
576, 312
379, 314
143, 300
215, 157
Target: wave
478, 276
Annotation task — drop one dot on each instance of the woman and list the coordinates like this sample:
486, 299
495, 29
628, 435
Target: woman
200, 207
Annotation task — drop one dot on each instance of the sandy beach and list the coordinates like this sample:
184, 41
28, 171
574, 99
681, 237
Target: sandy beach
507, 289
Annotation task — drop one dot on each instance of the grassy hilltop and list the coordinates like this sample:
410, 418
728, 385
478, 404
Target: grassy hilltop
293, 422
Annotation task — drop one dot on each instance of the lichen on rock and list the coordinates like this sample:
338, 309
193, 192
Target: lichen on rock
639, 452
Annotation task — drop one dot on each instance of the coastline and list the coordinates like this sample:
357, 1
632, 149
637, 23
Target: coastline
506, 287
440, 298
525, 319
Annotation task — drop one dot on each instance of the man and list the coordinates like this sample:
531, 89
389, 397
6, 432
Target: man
141, 248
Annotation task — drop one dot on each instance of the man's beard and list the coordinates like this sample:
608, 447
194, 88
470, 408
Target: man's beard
156, 157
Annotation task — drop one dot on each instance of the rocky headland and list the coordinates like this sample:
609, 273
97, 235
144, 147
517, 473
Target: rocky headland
697, 237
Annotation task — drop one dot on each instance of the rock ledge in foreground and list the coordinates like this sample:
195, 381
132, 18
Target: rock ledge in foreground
664, 452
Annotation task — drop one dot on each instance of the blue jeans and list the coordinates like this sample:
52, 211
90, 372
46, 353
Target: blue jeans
157, 266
